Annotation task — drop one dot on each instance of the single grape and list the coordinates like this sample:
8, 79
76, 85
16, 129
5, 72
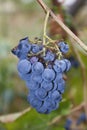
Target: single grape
34, 101
51, 104
61, 64
81, 119
48, 75
74, 62
49, 56
24, 46
68, 124
26, 77
55, 95
33, 59
68, 64
47, 85
36, 78
64, 48
61, 86
36, 48
24, 66
42, 109
58, 77
41, 93
32, 85
38, 68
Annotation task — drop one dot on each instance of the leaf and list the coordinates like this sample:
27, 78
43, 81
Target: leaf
32, 121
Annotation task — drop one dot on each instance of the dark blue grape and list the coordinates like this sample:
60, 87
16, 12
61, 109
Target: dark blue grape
24, 66
33, 59
36, 78
42, 109
48, 75
64, 48
61, 64
68, 124
38, 68
68, 64
47, 85
26, 77
49, 56
74, 62
57, 68
58, 78
41, 93
51, 104
36, 48
55, 95
34, 101
24, 45
61, 86
81, 119
32, 85
16, 52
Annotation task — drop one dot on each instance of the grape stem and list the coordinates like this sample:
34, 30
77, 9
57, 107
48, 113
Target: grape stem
63, 26
47, 39
45, 26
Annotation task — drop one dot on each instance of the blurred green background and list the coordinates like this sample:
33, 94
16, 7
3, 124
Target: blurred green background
18, 19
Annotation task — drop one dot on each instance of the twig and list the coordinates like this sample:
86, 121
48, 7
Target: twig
83, 71
13, 117
63, 26
45, 26
58, 118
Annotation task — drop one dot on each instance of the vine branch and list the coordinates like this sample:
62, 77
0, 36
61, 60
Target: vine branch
63, 26
58, 118
12, 117
83, 72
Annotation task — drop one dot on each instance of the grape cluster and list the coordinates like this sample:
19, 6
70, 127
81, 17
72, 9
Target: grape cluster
43, 73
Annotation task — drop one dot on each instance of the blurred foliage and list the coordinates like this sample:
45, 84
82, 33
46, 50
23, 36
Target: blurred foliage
28, 21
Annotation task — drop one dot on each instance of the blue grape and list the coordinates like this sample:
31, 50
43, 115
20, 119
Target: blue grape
36, 78
32, 85
61, 64
81, 119
48, 75
26, 77
42, 109
36, 48
47, 85
23, 48
34, 101
68, 124
24, 45
68, 64
16, 52
37, 68
41, 93
49, 56
51, 104
55, 95
64, 48
56, 68
61, 86
74, 62
58, 77
24, 66
33, 59
49, 66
